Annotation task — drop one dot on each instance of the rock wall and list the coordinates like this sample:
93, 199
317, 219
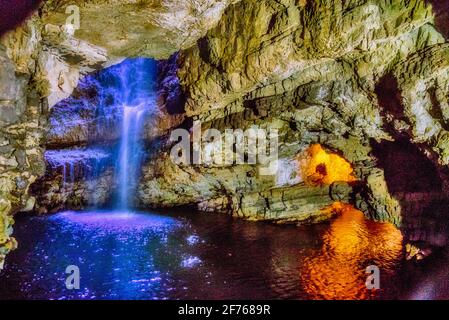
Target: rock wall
318, 72
149, 28
40, 64
22, 109
75, 179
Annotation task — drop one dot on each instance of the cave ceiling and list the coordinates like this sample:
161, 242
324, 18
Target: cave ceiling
152, 28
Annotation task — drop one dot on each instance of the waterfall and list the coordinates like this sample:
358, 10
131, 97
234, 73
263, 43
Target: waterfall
130, 153
108, 116
134, 93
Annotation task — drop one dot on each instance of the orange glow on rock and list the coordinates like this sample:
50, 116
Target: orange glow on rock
318, 167
338, 270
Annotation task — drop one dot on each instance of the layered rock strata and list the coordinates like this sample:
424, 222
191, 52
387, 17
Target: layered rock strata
316, 71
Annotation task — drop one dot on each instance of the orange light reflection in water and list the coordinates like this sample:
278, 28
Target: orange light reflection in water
351, 244
318, 167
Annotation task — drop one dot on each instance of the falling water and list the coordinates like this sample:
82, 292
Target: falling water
130, 152
115, 104
84, 160
112, 111
68, 176
134, 94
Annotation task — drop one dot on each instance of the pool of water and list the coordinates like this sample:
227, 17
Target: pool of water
137, 255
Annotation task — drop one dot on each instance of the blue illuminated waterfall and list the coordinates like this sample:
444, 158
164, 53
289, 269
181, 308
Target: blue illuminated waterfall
101, 129
135, 94
130, 152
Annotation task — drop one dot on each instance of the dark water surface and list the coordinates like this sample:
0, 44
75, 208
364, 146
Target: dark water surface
198, 256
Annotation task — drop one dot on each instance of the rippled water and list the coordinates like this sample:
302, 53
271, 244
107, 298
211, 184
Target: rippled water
124, 255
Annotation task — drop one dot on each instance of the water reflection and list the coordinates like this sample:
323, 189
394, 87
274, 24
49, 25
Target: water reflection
352, 243
123, 255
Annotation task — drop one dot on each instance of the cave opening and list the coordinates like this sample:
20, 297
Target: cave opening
416, 183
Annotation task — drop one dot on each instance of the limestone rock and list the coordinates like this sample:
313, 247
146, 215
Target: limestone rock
283, 44
316, 71
148, 28
21, 126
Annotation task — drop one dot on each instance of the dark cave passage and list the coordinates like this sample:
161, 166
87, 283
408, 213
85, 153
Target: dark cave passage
406, 168
415, 182
21, 10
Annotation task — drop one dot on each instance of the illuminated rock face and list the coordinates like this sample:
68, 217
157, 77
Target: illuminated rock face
149, 28
319, 167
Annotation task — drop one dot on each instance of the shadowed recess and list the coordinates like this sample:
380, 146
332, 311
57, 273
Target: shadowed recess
406, 168
441, 11
14, 12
